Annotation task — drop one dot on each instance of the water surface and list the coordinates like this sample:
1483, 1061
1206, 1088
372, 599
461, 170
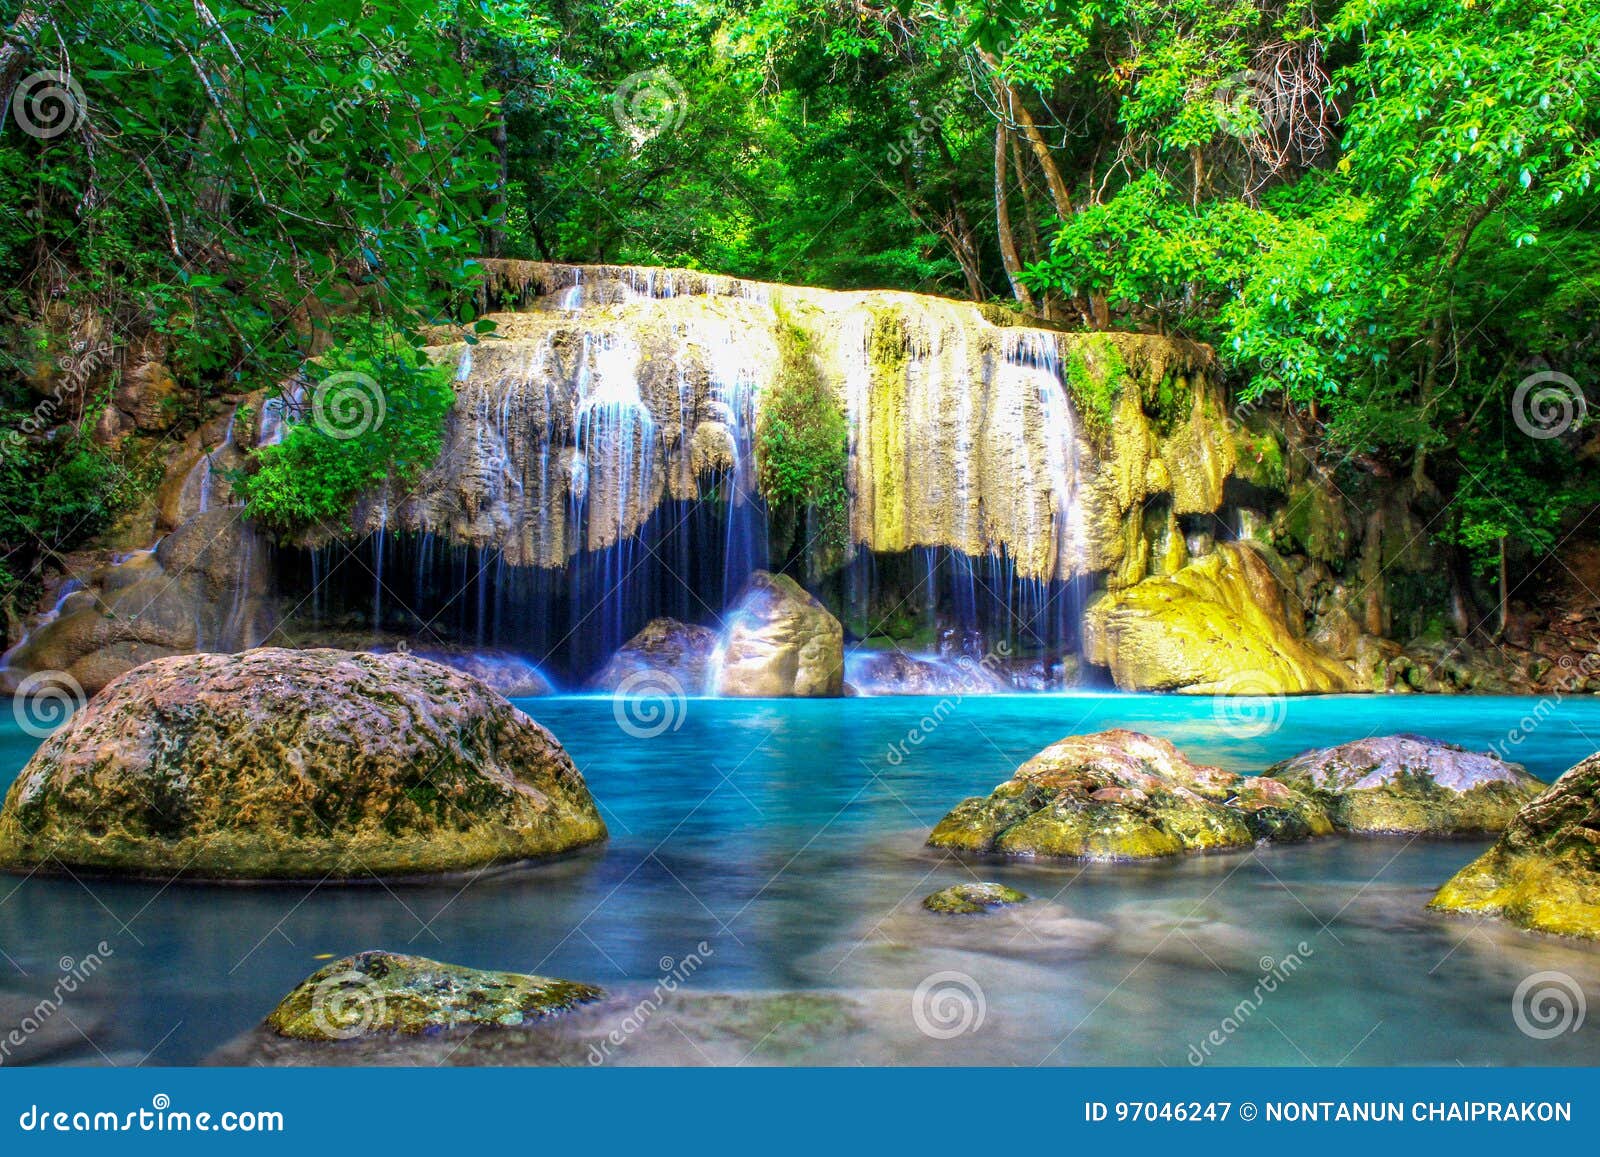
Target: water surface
787, 837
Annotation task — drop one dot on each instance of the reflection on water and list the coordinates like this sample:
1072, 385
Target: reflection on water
782, 836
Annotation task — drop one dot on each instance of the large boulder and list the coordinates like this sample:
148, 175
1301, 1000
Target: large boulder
1221, 625
275, 764
1544, 871
781, 642
374, 993
1120, 795
1410, 784
665, 649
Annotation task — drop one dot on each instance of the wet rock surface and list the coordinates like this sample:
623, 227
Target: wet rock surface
277, 763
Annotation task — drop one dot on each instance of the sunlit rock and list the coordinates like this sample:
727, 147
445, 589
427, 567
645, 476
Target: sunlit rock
780, 642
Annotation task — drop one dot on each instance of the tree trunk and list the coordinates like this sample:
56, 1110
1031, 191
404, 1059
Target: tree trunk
1002, 217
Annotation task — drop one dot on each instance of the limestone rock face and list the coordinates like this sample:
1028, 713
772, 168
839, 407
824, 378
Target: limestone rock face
1544, 872
609, 390
1221, 625
1115, 795
665, 649
374, 993
1407, 783
204, 587
781, 642
277, 764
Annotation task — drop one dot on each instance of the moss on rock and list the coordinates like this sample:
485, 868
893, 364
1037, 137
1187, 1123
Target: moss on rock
1410, 784
965, 899
280, 764
1120, 795
375, 993
1220, 625
1544, 872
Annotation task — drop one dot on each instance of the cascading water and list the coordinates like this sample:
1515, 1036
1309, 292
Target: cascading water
600, 470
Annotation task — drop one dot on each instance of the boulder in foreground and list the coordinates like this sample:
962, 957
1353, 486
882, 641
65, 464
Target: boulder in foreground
280, 764
375, 993
1411, 785
1544, 872
1120, 795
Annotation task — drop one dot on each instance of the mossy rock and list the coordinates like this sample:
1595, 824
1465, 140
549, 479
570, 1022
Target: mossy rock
966, 899
1275, 812
1220, 626
1408, 784
283, 764
1115, 795
1544, 872
375, 993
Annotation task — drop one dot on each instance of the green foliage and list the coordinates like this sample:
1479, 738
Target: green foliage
371, 417
802, 439
1096, 384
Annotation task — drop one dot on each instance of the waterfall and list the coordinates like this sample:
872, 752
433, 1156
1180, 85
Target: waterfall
600, 469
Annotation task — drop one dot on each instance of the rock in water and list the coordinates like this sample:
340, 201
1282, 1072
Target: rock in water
665, 650
1116, 795
1217, 626
781, 642
386, 992
965, 899
1410, 784
1544, 871
278, 764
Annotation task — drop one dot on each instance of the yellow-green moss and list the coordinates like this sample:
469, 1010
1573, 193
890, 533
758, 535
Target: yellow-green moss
967, 899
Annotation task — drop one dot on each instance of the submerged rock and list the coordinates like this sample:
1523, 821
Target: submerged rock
667, 648
503, 672
1114, 795
387, 992
964, 899
1408, 783
1220, 625
276, 764
897, 673
1544, 872
781, 642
